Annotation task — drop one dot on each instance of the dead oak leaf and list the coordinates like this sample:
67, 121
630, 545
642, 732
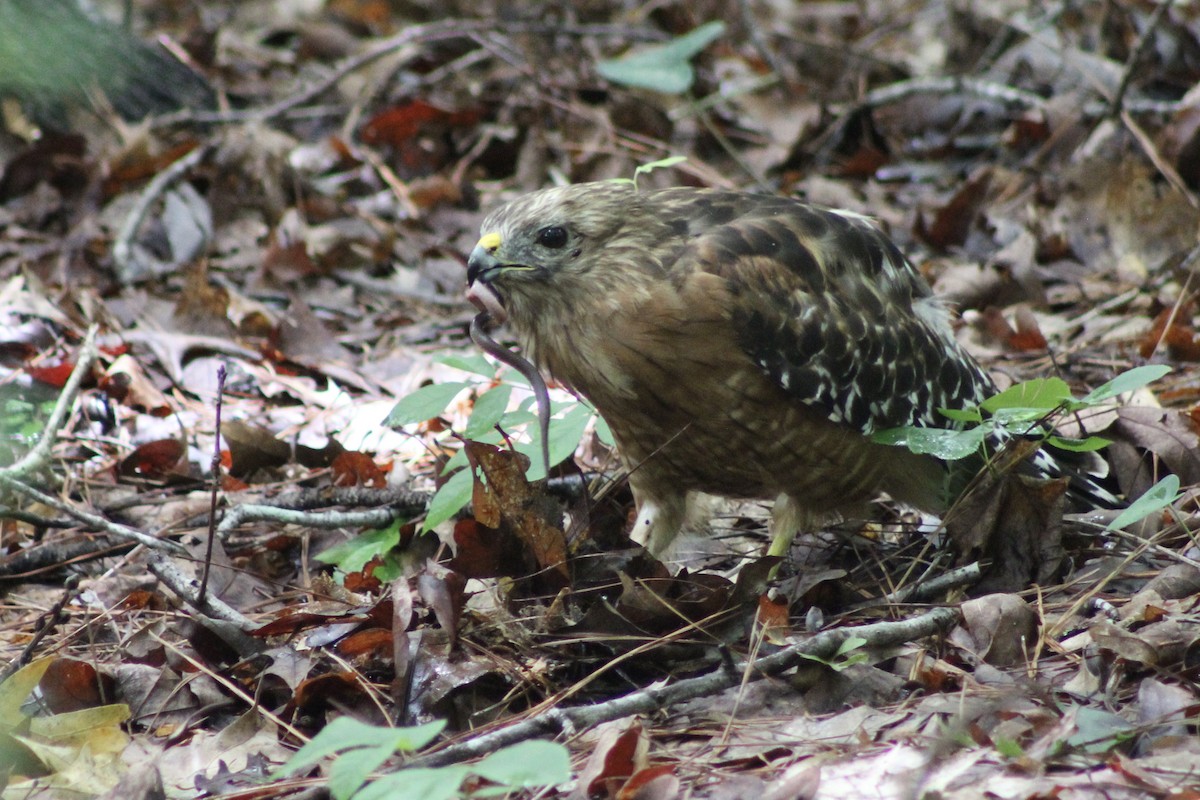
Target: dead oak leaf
508, 500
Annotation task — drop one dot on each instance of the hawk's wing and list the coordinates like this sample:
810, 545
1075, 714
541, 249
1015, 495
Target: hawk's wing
830, 310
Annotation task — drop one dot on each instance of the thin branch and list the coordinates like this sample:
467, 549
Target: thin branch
95, 521
325, 520
127, 263
572, 720
215, 468
38, 458
1139, 49
188, 589
901, 90
925, 590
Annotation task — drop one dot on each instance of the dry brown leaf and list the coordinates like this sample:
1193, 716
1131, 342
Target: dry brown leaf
999, 629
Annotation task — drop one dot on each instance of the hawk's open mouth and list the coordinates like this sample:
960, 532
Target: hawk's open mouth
484, 297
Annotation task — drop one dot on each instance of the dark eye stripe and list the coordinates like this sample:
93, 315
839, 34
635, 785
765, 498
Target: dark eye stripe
552, 236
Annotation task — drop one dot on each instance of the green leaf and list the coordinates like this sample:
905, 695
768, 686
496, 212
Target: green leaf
528, 764
16, 689
1097, 730
665, 67
948, 445
1018, 418
352, 768
390, 567
565, 434
518, 416
662, 163
448, 500
1088, 445
425, 403
459, 459
1158, 497
604, 433
1046, 394
421, 783
474, 363
1009, 748
353, 555
489, 408
346, 733
849, 645
1128, 381
962, 414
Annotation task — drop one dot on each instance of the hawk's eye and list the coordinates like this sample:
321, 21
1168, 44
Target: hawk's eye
552, 236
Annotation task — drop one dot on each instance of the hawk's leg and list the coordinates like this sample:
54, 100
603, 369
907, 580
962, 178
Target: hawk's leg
659, 519
788, 518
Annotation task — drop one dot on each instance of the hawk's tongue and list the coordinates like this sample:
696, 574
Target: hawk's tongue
484, 297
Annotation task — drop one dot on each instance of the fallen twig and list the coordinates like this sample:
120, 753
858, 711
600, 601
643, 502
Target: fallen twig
38, 458
555, 721
926, 590
127, 263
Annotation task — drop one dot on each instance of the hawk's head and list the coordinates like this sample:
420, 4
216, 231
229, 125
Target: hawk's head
544, 249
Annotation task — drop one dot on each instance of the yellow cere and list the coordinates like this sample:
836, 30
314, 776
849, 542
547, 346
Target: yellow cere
489, 242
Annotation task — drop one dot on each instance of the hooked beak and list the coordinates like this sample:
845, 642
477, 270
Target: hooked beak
482, 267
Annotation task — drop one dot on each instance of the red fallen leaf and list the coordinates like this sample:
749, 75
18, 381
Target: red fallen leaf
936, 675
652, 783
364, 580
619, 754
16, 352
376, 16
952, 222
155, 460
863, 162
772, 617
343, 150
114, 350
232, 484
115, 386
293, 622
142, 599
1028, 335
58, 159
353, 468
370, 643
138, 165
71, 685
332, 690
288, 261
397, 125
1026, 131
482, 552
1171, 328
508, 500
55, 375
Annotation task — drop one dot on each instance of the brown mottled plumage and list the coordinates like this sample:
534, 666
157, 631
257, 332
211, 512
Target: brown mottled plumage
737, 344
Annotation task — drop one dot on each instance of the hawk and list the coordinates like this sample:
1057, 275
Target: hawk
737, 344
